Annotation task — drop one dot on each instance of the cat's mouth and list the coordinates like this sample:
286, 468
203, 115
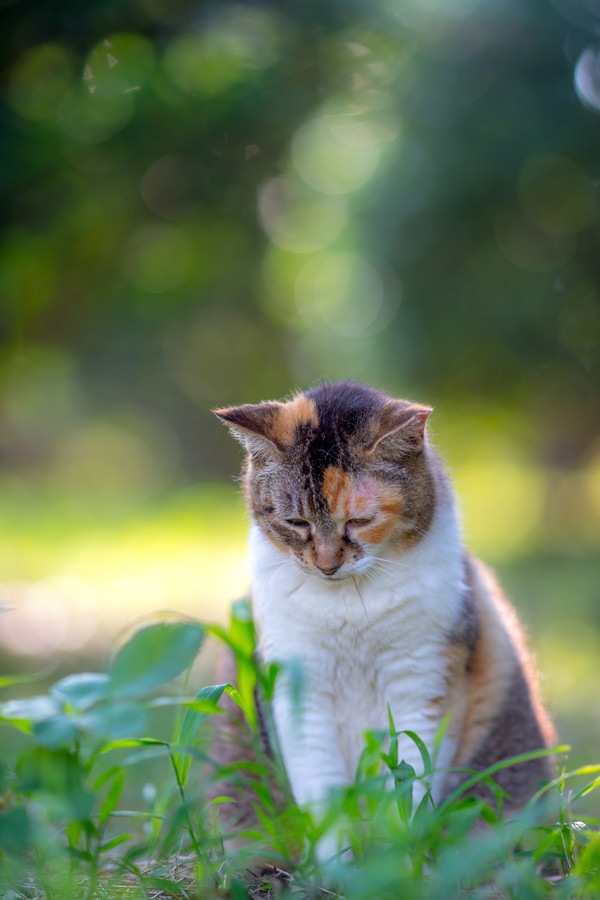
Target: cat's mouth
342, 574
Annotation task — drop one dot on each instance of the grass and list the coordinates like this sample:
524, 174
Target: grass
107, 786
111, 794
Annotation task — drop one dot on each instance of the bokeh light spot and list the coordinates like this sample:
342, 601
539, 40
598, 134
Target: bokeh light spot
238, 44
336, 154
340, 290
298, 219
173, 186
587, 79
529, 247
119, 63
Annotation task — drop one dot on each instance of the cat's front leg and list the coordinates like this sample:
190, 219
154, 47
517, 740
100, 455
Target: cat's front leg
307, 736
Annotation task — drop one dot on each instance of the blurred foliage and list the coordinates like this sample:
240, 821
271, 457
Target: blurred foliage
214, 202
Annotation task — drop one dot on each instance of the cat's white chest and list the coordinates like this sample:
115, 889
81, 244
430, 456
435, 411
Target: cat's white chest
362, 647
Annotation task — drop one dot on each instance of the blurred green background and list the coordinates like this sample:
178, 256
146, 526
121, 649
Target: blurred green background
210, 202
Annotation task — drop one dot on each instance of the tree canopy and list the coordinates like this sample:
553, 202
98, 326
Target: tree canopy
210, 203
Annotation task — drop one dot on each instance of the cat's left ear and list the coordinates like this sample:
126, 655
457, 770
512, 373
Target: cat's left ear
402, 422
253, 424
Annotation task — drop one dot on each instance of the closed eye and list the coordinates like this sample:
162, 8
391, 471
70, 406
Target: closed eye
302, 528
365, 520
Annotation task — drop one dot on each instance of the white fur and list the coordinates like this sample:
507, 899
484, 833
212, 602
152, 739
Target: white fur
358, 652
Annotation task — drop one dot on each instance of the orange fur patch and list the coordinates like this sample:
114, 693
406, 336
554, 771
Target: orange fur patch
338, 488
300, 411
377, 533
493, 663
348, 498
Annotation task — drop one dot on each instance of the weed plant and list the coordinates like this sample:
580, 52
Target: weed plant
99, 804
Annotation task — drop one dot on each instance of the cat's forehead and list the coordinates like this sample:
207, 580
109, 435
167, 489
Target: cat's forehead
347, 494
338, 494
324, 426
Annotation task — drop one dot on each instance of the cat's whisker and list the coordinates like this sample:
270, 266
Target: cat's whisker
382, 568
389, 562
361, 597
370, 576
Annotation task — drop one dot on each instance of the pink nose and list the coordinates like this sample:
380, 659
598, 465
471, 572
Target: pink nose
328, 570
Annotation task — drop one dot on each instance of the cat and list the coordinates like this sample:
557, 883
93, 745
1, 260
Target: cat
360, 576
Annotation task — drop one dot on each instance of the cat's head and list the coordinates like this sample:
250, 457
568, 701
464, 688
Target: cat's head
336, 474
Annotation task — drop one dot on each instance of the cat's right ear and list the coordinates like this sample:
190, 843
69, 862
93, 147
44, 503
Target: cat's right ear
403, 424
253, 425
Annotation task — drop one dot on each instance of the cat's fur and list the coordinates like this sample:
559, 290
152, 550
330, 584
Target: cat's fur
375, 596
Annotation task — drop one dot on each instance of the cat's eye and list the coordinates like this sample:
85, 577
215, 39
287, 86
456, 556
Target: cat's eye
365, 520
298, 523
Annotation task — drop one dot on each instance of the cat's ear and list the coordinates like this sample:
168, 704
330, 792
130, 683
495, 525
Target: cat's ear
253, 425
402, 425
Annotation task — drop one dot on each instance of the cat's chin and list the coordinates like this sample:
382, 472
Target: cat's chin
338, 576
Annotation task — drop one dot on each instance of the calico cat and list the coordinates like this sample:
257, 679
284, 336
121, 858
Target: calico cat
359, 574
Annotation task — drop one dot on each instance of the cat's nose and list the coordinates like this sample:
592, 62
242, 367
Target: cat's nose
328, 570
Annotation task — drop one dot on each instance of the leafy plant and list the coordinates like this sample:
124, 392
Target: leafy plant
102, 804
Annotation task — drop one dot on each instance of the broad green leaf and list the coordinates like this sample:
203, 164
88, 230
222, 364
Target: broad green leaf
41, 770
26, 712
15, 832
81, 690
115, 720
57, 731
404, 777
154, 655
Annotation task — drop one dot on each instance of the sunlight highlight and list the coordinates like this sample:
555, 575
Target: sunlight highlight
299, 219
342, 291
336, 154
